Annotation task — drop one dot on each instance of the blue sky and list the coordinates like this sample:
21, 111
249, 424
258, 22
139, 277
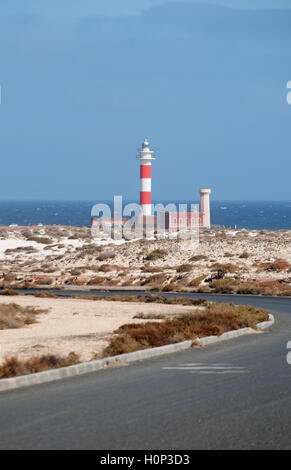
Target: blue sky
84, 82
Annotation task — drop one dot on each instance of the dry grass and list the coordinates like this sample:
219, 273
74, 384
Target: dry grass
77, 271
106, 255
12, 366
44, 282
152, 269
25, 249
270, 287
14, 316
224, 286
89, 249
225, 268
149, 316
198, 258
276, 266
215, 320
184, 268
156, 254
97, 281
169, 288
9, 292
196, 282
155, 279
106, 268
149, 298
42, 240
44, 295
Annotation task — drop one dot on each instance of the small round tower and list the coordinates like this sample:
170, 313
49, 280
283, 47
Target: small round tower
205, 206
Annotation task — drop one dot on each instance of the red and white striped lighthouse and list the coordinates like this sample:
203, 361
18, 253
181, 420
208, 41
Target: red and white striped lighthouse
145, 156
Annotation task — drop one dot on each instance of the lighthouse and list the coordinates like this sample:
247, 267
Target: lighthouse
145, 156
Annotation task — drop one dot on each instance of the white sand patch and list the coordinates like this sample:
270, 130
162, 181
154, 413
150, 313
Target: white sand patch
73, 325
12, 243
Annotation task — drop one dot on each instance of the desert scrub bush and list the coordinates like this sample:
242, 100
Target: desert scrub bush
106, 255
196, 281
76, 271
96, 281
156, 254
44, 295
155, 287
155, 279
14, 316
268, 287
152, 269
123, 298
168, 288
3, 232
106, 268
225, 268
42, 240
49, 270
221, 235
12, 366
271, 287
112, 282
244, 315
157, 298
276, 266
44, 282
198, 258
215, 320
60, 257
285, 292
186, 301
87, 250
9, 292
184, 268
25, 249
224, 286
247, 289
149, 316
9, 277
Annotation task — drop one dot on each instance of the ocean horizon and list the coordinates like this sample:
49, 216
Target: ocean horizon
251, 215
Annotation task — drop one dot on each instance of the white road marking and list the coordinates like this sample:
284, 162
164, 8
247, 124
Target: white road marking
221, 372
201, 368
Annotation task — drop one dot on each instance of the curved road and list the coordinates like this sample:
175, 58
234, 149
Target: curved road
235, 395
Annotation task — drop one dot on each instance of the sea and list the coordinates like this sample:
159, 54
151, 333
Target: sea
251, 215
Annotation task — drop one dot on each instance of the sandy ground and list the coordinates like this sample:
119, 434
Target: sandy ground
62, 256
73, 325
72, 257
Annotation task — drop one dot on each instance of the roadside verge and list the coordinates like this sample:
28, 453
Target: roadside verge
101, 364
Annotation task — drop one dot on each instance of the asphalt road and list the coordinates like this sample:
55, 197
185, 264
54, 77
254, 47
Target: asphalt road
235, 395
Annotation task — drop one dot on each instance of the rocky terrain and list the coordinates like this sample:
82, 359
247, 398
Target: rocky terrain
223, 261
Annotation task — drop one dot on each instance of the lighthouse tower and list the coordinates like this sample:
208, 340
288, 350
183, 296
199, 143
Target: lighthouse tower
145, 156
